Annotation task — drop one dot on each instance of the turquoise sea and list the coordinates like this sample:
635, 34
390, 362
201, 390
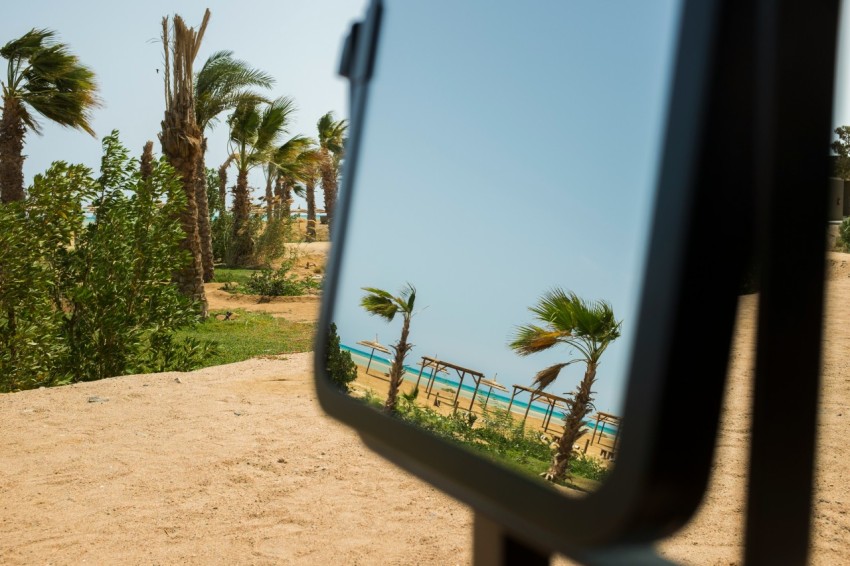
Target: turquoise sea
411, 373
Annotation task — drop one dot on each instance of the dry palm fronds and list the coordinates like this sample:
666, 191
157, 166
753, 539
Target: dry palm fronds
545, 377
181, 141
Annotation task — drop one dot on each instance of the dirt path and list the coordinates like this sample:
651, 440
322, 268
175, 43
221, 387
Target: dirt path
297, 309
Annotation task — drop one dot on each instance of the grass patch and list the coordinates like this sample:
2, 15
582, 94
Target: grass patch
250, 335
233, 275
496, 436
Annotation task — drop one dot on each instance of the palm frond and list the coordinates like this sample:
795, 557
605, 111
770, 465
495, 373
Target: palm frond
53, 82
545, 377
224, 82
28, 44
379, 303
530, 339
332, 133
406, 299
274, 122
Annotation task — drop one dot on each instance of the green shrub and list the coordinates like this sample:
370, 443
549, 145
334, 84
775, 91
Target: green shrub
844, 235
340, 366
279, 283
588, 467
221, 229
271, 241
81, 302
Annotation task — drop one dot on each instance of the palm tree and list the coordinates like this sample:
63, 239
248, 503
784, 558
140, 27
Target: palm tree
381, 303
287, 168
331, 150
222, 183
310, 175
588, 328
181, 140
221, 84
254, 133
42, 77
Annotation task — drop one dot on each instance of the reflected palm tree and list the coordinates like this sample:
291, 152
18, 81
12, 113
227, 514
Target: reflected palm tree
381, 303
589, 328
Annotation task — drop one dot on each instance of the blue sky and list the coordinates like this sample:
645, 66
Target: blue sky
528, 183
528, 168
296, 42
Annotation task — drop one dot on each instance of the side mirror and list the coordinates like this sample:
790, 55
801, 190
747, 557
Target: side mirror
571, 159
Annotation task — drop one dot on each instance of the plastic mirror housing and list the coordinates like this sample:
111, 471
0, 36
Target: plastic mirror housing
685, 319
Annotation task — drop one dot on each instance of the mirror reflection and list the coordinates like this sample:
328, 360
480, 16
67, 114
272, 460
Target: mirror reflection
498, 225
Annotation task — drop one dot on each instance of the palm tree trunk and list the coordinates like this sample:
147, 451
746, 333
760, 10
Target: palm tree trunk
204, 229
397, 369
286, 198
190, 278
243, 245
222, 184
146, 162
269, 200
329, 186
311, 211
12, 132
278, 195
181, 140
579, 406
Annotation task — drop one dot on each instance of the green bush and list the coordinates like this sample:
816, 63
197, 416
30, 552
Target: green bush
221, 230
844, 235
271, 241
81, 302
588, 467
279, 283
340, 366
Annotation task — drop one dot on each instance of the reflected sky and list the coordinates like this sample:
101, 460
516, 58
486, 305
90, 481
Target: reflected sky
507, 153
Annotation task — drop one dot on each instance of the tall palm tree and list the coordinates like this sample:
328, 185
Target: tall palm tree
221, 84
42, 77
181, 140
381, 303
588, 328
310, 175
255, 131
331, 150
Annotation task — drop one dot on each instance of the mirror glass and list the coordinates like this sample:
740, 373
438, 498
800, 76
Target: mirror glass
507, 173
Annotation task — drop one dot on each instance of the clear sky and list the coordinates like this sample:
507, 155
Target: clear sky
539, 173
297, 42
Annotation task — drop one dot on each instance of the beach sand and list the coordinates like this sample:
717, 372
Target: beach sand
442, 397
237, 464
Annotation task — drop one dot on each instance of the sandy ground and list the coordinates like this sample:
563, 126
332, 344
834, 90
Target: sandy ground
296, 309
441, 400
311, 258
238, 465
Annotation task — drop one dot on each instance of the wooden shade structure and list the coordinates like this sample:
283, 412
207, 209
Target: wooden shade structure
607, 418
538, 395
462, 372
374, 346
492, 384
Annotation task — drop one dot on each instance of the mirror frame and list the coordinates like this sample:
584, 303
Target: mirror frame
662, 469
